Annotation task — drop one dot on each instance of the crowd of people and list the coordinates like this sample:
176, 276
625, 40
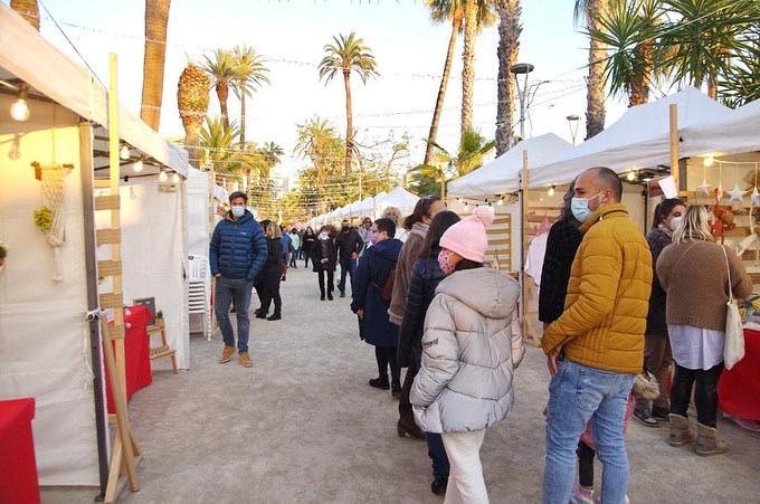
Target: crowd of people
619, 309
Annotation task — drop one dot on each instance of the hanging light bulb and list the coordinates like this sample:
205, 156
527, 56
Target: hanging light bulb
138, 166
550, 192
631, 176
175, 178
709, 160
500, 202
20, 108
465, 205
163, 177
124, 152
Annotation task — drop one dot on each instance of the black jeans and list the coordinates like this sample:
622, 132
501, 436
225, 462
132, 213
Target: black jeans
387, 356
705, 395
330, 281
347, 267
271, 285
585, 465
404, 405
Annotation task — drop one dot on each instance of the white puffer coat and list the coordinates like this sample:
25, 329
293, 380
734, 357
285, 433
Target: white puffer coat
469, 353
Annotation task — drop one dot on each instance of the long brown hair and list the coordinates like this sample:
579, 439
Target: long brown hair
440, 223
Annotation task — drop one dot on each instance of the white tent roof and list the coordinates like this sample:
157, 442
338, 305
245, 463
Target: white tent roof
398, 197
639, 139
25, 55
737, 132
502, 175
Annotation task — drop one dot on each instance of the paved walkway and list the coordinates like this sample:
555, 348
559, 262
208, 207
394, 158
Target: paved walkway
302, 426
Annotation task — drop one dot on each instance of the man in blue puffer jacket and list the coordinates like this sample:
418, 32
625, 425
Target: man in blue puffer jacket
237, 254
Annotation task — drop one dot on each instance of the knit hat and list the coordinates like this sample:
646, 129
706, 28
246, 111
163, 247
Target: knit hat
467, 237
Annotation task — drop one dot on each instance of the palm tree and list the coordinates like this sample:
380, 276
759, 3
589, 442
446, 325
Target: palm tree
630, 30
442, 11
251, 71
29, 10
509, 47
272, 153
218, 145
223, 70
594, 11
156, 21
473, 148
477, 14
348, 54
192, 100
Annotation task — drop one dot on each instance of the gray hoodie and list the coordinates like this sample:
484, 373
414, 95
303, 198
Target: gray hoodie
469, 353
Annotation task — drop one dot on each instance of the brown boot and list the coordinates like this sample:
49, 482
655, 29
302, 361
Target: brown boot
227, 354
680, 432
708, 442
407, 427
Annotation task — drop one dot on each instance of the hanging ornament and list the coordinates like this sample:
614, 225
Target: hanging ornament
704, 188
755, 197
719, 192
736, 193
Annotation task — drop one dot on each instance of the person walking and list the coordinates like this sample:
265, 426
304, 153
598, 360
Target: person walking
295, 245
348, 244
426, 275
237, 252
324, 258
668, 215
371, 297
595, 348
270, 276
697, 275
307, 244
287, 249
469, 354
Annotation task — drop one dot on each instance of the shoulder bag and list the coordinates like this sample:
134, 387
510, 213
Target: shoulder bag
733, 346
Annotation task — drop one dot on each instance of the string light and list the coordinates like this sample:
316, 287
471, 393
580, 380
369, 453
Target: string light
631, 176
175, 178
500, 202
550, 192
124, 152
163, 177
20, 108
137, 167
709, 161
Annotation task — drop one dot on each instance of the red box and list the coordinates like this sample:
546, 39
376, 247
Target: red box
18, 467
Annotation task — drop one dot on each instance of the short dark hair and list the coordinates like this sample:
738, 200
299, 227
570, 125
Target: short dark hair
238, 194
663, 208
421, 209
387, 225
608, 178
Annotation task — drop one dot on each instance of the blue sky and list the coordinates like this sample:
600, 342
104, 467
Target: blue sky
408, 47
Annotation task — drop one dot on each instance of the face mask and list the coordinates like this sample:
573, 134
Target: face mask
323, 235
238, 211
676, 222
374, 239
444, 261
579, 208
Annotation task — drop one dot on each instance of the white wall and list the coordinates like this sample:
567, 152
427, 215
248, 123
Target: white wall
44, 341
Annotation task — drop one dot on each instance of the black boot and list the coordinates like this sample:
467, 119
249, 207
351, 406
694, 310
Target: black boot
275, 316
379, 383
438, 486
329, 295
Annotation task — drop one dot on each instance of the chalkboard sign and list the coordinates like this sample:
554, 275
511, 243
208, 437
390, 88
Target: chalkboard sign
150, 304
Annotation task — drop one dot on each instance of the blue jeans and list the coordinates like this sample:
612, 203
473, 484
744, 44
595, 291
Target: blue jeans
347, 267
578, 395
238, 289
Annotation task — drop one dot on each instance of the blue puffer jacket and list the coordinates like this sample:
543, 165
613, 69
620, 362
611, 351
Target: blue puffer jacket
238, 248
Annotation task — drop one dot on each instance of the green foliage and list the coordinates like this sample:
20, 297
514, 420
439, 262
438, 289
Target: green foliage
347, 54
218, 144
43, 218
250, 70
473, 148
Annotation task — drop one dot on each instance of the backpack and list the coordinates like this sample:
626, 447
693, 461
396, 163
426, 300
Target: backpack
386, 290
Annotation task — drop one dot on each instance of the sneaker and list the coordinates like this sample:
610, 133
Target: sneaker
227, 354
245, 360
275, 316
644, 418
261, 315
438, 486
582, 496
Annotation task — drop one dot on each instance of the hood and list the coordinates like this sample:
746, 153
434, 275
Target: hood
387, 249
247, 216
485, 290
604, 212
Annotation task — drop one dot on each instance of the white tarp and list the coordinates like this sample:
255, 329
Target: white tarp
399, 197
737, 132
24, 54
639, 139
502, 175
197, 208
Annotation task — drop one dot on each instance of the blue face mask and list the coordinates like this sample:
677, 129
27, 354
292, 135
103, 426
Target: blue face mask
238, 211
579, 208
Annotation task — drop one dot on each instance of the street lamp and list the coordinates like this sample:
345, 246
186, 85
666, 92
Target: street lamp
522, 69
573, 120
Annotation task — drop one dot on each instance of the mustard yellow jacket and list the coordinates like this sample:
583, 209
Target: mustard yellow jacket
607, 297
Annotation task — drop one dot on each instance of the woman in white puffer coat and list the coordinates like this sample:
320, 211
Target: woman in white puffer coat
469, 354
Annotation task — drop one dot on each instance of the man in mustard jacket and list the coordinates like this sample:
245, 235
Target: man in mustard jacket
596, 347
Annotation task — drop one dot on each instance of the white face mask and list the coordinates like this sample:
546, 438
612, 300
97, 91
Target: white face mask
676, 222
579, 207
238, 211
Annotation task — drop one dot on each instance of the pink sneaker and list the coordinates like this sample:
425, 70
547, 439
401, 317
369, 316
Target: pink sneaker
582, 496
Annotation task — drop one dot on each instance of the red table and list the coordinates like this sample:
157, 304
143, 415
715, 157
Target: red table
136, 353
18, 468
739, 388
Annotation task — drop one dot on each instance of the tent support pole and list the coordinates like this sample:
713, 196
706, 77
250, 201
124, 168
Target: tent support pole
674, 165
525, 183
90, 246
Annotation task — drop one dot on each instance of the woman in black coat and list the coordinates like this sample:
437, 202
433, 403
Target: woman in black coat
307, 245
426, 275
324, 258
271, 274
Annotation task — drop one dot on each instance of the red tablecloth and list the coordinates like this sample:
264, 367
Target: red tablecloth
18, 468
739, 388
136, 353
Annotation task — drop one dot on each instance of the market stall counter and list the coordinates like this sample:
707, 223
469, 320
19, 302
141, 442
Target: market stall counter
739, 388
18, 466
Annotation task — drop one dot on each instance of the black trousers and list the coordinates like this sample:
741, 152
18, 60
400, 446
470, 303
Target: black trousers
386, 356
404, 405
271, 285
585, 465
330, 281
705, 394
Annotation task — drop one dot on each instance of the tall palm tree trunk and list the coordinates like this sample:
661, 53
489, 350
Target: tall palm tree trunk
29, 10
456, 24
597, 55
349, 122
508, 50
242, 117
639, 93
468, 66
156, 22
222, 93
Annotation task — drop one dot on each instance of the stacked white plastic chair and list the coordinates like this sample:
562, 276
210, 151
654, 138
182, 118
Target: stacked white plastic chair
199, 291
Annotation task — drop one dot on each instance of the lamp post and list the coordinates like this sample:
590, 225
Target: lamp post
573, 121
522, 69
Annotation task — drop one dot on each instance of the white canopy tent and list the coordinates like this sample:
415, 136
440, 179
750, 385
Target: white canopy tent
639, 139
398, 197
502, 175
736, 132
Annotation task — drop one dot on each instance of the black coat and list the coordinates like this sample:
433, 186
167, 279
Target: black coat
373, 270
656, 325
426, 275
307, 242
561, 245
348, 243
324, 249
274, 255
